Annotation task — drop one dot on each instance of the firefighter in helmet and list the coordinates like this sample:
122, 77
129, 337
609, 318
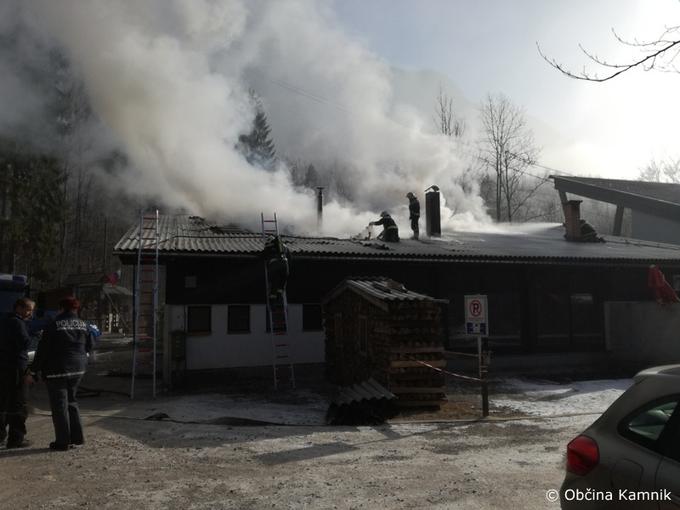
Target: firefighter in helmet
414, 213
390, 231
277, 259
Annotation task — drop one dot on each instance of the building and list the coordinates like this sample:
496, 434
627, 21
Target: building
654, 206
545, 294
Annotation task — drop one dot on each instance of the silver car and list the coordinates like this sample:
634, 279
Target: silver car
630, 456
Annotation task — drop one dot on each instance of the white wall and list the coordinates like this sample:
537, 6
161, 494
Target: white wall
222, 350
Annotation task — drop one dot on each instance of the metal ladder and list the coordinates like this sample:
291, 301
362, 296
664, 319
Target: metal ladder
145, 336
277, 313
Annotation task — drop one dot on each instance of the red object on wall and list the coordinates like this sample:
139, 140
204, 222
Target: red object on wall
663, 292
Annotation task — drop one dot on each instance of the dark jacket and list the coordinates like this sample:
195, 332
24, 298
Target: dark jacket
62, 352
413, 209
14, 343
390, 231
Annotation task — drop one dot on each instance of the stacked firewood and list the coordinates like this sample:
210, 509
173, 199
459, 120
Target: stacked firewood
397, 342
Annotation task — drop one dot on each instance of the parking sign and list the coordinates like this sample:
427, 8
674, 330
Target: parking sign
476, 315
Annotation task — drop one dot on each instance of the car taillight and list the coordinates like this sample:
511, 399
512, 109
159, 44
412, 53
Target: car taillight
582, 455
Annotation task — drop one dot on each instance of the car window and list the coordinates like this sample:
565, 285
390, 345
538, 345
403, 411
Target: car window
647, 425
651, 422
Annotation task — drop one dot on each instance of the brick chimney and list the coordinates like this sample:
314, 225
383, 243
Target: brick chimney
572, 219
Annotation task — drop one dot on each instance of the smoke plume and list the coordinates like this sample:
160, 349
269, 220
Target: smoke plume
169, 81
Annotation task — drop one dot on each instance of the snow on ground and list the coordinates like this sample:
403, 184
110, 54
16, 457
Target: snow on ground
547, 399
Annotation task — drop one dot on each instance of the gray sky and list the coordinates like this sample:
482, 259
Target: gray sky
609, 129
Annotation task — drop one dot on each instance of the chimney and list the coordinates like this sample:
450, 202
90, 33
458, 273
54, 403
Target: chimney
433, 224
572, 219
319, 207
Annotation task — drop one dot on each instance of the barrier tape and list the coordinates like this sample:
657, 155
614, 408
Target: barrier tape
459, 376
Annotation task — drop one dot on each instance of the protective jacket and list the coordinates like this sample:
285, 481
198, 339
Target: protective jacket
277, 259
62, 352
390, 231
413, 209
14, 343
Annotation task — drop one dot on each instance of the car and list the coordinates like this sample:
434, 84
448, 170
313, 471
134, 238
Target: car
630, 456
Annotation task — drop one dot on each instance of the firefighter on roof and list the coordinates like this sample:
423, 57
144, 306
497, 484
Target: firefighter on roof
390, 231
413, 213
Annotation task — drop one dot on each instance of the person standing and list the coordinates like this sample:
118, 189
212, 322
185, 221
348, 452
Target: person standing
61, 361
414, 213
14, 379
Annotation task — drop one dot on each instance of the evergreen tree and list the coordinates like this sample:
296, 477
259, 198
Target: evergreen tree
31, 207
257, 146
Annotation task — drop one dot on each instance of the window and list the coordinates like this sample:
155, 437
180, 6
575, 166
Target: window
647, 426
238, 319
311, 318
190, 282
198, 319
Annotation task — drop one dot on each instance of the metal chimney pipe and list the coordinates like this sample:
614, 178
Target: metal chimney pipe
319, 206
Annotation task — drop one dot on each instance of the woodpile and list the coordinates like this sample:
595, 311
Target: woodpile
376, 328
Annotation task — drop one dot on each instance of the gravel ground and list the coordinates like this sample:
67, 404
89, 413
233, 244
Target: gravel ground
132, 463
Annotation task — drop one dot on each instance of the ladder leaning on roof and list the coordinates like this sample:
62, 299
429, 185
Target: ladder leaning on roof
277, 313
145, 330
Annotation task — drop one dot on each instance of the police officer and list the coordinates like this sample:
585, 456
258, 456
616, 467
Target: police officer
390, 231
414, 213
14, 379
61, 361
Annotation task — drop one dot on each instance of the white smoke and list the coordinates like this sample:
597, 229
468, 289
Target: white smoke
170, 79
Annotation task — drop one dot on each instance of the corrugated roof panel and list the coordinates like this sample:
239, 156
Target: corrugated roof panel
528, 242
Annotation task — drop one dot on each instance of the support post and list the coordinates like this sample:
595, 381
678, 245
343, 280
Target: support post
482, 354
618, 220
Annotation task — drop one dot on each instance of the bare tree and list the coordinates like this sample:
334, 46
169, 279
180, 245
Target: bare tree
445, 119
508, 151
661, 171
658, 54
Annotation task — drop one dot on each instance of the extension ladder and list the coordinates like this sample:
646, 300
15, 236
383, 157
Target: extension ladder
145, 339
277, 315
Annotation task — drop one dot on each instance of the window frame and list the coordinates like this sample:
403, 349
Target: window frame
230, 331
188, 318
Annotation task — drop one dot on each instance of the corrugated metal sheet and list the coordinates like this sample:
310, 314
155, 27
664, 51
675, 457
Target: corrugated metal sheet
366, 391
384, 289
184, 235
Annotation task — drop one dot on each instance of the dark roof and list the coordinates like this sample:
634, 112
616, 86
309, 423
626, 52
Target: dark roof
380, 290
657, 198
525, 243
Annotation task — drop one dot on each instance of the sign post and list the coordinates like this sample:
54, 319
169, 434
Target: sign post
477, 324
